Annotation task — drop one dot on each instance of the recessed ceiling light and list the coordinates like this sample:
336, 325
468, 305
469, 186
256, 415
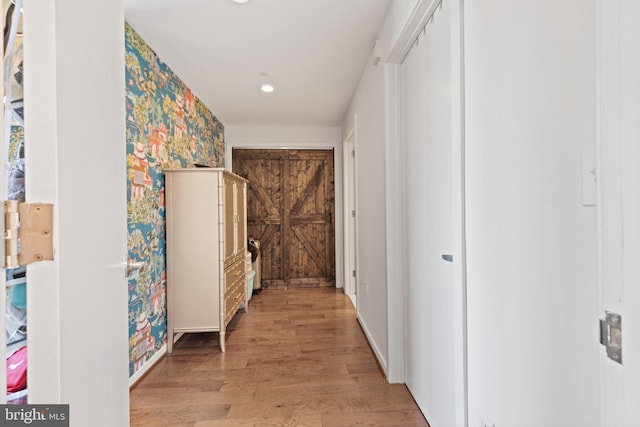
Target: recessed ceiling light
267, 88
240, 1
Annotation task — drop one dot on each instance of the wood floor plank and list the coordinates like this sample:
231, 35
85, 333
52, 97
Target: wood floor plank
293, 421
411, 418
297, 358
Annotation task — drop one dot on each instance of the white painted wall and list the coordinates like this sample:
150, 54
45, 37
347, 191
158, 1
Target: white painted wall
75, 158
377, 148
292, 137
371, 278
394, 23
531, 247
280, 137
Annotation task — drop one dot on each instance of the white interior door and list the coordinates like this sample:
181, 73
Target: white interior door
619, 202
76, 159
430, 367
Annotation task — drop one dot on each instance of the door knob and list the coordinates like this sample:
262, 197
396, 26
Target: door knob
134, 265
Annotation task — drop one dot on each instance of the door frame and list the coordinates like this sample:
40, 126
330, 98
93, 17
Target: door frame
396, 194
3, 195
618, 204
94, 245
350, 226
291, 211
297, 138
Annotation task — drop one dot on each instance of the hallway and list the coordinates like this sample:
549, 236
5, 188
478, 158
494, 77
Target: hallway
297, 358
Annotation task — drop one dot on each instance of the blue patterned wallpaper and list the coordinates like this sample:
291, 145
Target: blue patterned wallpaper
167, 126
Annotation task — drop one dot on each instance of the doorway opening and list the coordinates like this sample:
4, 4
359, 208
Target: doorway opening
291, 211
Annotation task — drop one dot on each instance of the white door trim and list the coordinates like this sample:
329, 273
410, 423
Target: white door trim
349, 199
3, 194
618, 204
395, 244
458, 209
422, 12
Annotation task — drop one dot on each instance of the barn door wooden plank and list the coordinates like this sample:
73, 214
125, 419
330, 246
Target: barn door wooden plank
310, 221
264, 198
261, 194
267, 236
285, 218
316, 252
311, 187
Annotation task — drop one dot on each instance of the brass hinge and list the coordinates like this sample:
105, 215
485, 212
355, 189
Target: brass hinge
28, 233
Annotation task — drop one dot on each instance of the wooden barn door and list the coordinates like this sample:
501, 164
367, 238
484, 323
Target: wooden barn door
290, 209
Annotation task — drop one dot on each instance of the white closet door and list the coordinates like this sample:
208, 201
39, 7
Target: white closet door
430, 369
76, 159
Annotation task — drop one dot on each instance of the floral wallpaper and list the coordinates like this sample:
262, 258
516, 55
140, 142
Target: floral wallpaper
167, 126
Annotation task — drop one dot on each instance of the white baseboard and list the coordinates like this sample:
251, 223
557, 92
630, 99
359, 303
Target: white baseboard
147, 366
352, 297
376, 351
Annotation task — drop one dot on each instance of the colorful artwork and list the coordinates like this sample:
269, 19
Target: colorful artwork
167, 126
16, 143
15, 164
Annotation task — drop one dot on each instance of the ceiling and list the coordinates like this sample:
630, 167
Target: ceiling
312, 51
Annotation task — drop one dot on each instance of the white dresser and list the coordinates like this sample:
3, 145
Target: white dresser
206, 212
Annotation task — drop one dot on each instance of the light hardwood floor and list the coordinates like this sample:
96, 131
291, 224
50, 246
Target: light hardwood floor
297, 358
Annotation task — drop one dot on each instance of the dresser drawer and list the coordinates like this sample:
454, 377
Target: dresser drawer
235, 288
233, 304
232, 259
233, 275
233, 300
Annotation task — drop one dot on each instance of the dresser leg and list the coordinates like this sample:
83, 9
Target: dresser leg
222, 334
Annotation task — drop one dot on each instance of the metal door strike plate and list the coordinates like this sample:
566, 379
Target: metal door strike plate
611, 335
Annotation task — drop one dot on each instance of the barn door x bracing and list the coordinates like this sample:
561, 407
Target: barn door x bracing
290, 210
